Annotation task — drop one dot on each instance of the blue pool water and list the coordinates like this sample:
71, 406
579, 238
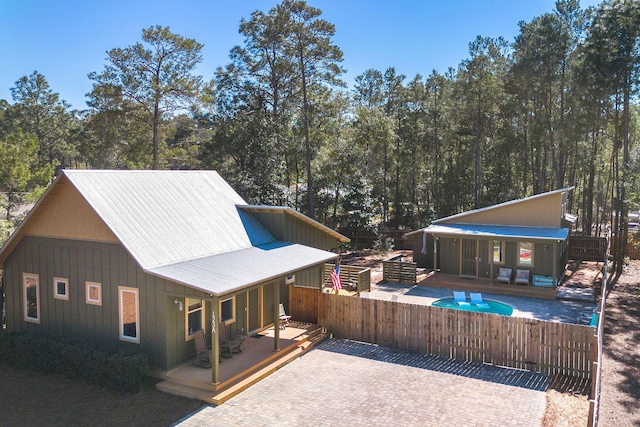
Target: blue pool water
494, 306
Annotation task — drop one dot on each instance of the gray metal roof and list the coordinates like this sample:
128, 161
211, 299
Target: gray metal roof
189, 227
498, 231
224, 273
164, 217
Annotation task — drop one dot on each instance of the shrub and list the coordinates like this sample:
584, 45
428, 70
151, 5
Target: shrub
105, 366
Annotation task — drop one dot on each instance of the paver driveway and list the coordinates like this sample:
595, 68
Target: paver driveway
349, 383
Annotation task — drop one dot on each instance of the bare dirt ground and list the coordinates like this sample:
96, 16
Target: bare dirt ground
620, 401
30, 398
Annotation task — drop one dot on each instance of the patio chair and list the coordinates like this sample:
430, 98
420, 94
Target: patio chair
284, 318
522, 277
477, 300
460, 298
203, 358
228, 346
585, 317
504, 275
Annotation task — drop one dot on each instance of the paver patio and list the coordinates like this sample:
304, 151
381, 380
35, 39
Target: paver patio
344, 382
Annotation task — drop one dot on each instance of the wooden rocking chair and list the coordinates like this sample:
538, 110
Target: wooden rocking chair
228, 346
203, 359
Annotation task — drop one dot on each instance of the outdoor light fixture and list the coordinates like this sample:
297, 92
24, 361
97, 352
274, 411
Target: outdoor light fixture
455, 241
179, 304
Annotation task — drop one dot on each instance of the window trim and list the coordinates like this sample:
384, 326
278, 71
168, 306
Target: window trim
24, 299
122, 336
188, 337
88, 286
530, 265
232, 319
57, 295
503, 246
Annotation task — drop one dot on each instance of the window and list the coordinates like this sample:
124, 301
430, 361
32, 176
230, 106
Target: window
61, 288
94, 293
497, 251
228, 310
128, 313
31, 297
195, 316
525, 254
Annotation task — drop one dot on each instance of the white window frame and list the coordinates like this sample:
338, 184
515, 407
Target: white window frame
25, 300
93, 285
123, 337
232, 319
502, 251
58, 295
532, 254
187, 311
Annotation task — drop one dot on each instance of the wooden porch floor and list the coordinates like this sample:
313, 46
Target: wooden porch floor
237, 373
582, 283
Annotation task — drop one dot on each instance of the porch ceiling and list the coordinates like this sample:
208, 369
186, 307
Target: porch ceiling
224, 273
490, 231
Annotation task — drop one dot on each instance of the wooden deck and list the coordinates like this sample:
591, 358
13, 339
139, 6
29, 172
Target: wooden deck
242, 370
583, 280
483, 285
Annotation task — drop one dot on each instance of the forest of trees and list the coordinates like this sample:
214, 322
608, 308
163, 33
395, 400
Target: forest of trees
557, 107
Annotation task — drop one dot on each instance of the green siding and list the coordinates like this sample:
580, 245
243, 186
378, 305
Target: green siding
109, 265
287, 228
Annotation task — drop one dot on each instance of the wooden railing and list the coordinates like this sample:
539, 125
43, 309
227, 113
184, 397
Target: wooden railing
396, 270
537, 345
353, 278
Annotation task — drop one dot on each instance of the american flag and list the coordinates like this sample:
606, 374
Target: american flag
335, 278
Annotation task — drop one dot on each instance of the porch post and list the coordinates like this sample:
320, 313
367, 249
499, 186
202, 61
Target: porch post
555, 263
491, 259
215, 342
435, 256
276, 319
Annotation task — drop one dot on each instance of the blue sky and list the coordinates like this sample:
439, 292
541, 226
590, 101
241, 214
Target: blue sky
67, 39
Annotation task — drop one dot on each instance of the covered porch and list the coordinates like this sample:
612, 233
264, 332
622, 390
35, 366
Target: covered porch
258, 360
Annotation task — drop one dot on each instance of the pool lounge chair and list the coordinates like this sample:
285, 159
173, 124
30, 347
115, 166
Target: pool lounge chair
504, 275
460, 298
522, 277
476, 299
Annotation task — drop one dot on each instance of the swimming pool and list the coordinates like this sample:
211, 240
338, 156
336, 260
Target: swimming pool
494, 306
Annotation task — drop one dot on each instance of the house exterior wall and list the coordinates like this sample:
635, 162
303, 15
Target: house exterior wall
546, 211
162, 325
542, 262
287, 228
111, 266
68, 215
422, 260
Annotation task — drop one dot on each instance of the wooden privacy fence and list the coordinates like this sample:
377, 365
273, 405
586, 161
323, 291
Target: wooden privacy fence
396, 270
353, 278
537, 345
588, 248
303, 303
633, 249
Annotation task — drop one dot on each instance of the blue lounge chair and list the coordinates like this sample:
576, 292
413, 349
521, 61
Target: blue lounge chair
476, 299
460, 298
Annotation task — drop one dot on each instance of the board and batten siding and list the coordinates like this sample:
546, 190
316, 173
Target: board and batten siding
544, 211
161, 324
287, 228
